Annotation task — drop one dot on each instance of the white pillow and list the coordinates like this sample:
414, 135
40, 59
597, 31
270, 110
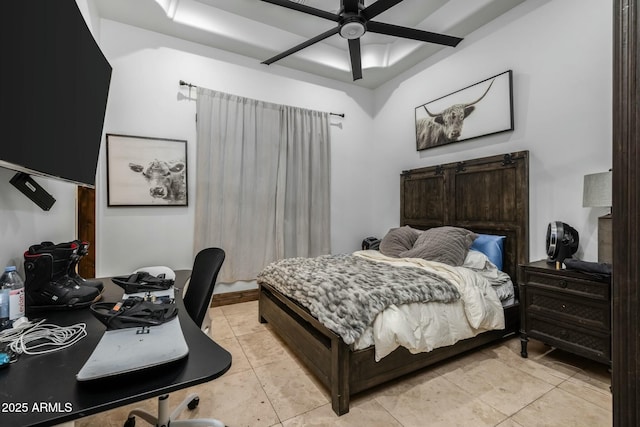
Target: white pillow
476, 260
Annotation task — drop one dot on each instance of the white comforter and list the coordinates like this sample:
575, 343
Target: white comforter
422, 327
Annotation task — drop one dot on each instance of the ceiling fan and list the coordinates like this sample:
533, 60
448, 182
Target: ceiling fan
353, 21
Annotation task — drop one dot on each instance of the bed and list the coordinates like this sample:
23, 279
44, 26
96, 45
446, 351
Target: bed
487, 195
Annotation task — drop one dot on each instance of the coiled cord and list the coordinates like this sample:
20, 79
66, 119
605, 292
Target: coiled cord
41, 338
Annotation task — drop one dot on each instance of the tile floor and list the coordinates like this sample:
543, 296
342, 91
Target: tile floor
494, 386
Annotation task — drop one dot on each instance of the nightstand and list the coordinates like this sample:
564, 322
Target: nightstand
566, 309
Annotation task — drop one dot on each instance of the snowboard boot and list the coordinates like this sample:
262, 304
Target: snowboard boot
71, 253
47, 286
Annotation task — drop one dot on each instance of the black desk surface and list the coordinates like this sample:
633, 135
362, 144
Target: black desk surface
41, 390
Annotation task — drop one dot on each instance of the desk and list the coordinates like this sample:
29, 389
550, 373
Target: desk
47, 383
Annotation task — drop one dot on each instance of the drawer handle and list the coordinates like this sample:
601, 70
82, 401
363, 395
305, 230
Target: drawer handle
563, 283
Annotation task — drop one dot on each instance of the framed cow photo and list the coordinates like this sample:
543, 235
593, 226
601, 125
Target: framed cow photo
144, 171
484, 108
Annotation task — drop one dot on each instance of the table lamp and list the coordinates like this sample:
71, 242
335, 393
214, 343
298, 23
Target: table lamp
597, 193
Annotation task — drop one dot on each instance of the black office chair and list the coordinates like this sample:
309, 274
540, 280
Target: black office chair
197, 300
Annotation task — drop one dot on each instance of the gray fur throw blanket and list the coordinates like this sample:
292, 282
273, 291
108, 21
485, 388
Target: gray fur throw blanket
346, 292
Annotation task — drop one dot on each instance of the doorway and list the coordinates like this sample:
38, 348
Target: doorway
86, 228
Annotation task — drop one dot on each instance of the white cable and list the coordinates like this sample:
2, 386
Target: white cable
8, 335
46, 338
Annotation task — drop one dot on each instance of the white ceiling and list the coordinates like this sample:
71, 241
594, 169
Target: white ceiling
261, 30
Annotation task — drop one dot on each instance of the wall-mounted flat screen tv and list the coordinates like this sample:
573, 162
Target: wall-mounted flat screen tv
54, 83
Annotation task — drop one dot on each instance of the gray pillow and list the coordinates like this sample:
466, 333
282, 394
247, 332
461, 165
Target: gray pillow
448, 245
398, 240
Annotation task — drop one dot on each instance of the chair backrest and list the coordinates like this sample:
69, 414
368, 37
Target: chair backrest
203, 279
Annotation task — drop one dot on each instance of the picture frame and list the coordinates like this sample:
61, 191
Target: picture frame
481, 109
146, 171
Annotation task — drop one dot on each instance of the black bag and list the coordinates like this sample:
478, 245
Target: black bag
372, 243
599, 269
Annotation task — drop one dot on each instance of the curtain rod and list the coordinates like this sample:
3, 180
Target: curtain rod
183, 83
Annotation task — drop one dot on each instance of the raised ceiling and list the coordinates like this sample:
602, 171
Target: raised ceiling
260, 30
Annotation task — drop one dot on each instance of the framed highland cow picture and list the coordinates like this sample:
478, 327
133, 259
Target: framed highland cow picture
145, 171
484, 108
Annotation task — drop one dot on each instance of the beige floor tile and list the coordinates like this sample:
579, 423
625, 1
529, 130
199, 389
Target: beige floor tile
245, 323
437, 400
290, 390
243, 318
117, 417
239, 361
535, 349
241, 308
591, 388
104, 419
235, 399
315, 380
589, 380
509, 422
505, 388
598, 373
464, 359
263, 348
369, 414
539, 366
216, 311
220, 328
559, 408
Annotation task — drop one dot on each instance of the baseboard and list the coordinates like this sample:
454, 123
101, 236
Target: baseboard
228, 298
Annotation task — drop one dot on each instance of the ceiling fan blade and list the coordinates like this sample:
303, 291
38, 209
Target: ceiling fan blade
302, 45
350, 6
378, 7
354, 52
412, 33
306, 9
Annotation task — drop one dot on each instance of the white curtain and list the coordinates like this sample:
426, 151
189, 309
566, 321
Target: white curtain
262, 182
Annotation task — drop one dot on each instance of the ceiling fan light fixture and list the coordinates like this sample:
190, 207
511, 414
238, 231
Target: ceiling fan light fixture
354, 19
352, 30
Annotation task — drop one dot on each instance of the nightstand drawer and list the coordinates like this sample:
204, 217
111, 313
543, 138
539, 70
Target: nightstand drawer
584, 312
594, 345
568, 284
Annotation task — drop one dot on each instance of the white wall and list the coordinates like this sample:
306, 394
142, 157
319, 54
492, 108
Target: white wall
561, 56
145, 99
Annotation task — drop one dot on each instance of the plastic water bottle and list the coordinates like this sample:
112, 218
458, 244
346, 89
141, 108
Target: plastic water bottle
12, 281
4, 307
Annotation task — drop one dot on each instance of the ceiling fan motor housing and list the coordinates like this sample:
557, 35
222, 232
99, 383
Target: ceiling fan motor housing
352, 27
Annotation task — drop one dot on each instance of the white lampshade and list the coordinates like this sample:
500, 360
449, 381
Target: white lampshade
597, 190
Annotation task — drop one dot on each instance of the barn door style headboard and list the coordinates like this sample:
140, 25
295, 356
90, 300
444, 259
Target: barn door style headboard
488, 195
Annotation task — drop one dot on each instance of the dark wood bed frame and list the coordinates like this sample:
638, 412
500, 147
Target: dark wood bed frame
488, 195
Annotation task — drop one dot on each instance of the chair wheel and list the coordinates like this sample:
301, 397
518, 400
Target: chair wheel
131, 422
192, 405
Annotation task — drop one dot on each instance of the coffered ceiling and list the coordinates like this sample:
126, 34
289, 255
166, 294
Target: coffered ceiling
260, 30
